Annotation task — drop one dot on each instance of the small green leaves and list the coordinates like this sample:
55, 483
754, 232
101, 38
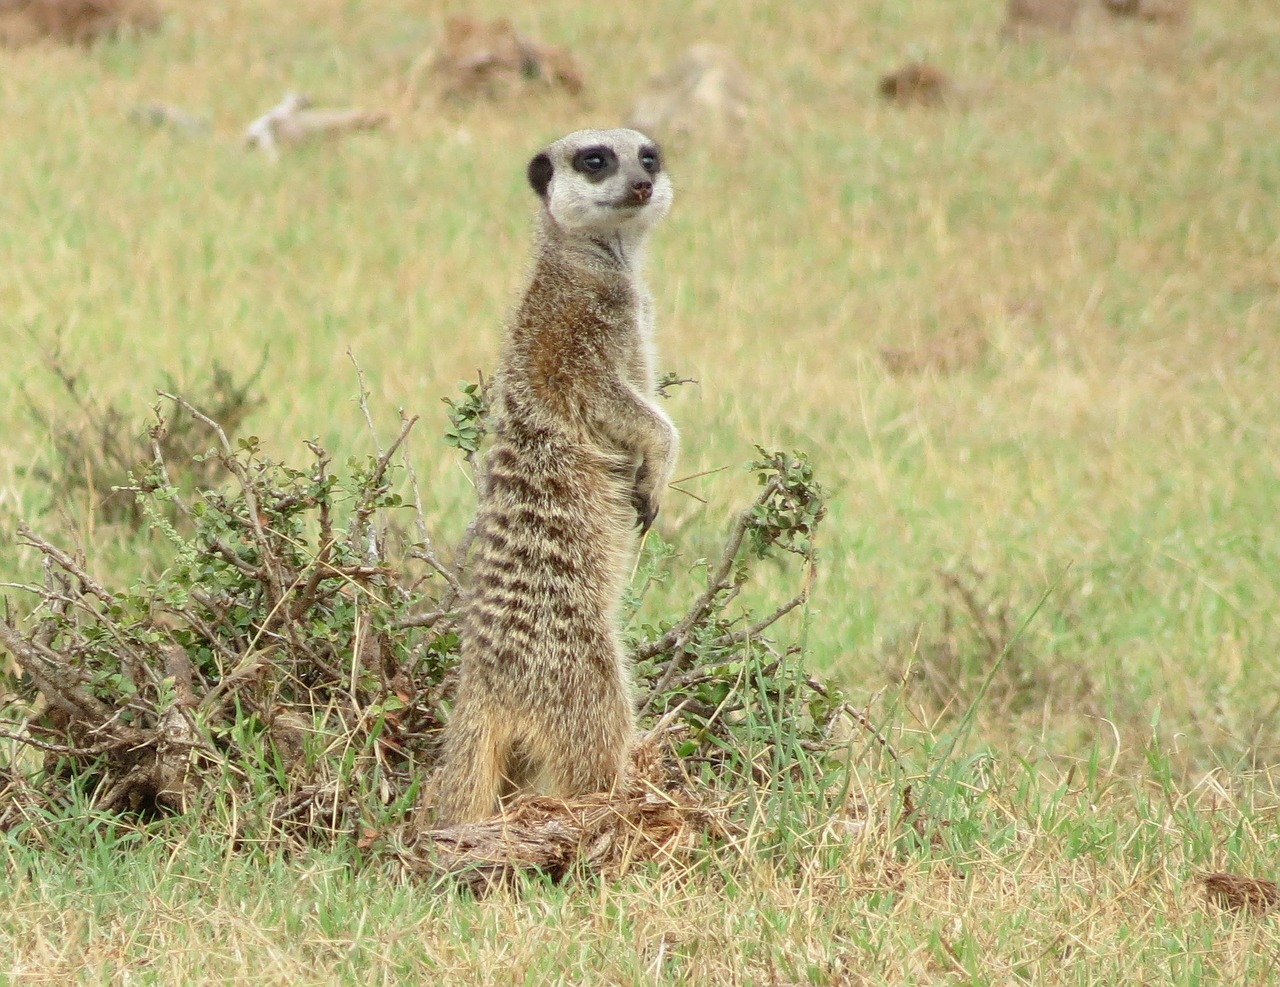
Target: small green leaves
467, 417
787, 518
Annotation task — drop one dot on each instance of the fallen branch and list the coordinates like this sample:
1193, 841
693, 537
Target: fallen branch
650, 817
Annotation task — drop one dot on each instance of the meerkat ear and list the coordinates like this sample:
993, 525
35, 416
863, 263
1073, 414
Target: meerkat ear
540, 169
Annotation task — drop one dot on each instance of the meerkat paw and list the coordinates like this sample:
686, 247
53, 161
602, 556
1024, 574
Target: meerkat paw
644, 498
646, 510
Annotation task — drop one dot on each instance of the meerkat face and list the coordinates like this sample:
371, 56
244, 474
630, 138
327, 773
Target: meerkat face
602, 182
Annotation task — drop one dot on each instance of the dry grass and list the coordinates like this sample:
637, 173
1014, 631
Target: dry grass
1102, 219
1037, 902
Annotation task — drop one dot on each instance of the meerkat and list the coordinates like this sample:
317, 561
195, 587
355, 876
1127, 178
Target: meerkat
580, 459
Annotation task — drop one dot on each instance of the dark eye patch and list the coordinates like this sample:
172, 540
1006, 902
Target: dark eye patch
596, 163
651, 159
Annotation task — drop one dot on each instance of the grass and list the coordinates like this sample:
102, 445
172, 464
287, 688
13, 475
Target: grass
1094, 231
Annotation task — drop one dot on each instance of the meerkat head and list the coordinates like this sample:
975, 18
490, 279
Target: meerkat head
602, 183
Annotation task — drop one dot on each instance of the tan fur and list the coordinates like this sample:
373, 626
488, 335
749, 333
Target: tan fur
581, 452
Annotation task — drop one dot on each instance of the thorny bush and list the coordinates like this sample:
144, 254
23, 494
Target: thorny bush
293, 660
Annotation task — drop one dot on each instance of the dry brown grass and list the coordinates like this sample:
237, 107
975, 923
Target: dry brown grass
703, 96
492, 59
1170, 11
1238, 893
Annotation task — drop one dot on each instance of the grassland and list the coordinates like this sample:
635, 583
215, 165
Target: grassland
1078, 268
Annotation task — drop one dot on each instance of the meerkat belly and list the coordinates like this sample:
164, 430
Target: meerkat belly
546, 575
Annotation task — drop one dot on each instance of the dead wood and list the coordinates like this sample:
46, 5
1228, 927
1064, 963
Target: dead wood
651, 817
293, 122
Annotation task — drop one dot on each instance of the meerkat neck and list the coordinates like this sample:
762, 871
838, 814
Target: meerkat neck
604, 251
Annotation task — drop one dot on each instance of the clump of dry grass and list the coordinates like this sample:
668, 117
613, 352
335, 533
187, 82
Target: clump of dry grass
705, 94
1238, 893
1169, 11
974, 649
1027, 18
959, 350
97, 445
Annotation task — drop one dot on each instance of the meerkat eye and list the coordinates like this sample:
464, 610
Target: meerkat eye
597, 163
650, 160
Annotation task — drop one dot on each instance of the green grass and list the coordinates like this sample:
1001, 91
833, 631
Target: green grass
1097, 222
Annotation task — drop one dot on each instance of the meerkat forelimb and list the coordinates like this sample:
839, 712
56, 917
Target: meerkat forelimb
582, 455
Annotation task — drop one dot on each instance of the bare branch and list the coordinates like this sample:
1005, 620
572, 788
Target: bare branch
68, 564
720, 580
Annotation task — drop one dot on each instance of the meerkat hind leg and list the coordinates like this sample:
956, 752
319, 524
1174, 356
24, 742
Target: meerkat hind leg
591, 756
475, 772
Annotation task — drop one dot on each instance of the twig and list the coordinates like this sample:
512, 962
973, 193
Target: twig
68, 564
44, 745
717, 583
308, 595
364, 402
737, 637
677, 638
364, 508
418, 620
274, 580
424, 550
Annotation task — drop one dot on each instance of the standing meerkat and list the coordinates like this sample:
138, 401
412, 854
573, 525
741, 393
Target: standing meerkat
581, 457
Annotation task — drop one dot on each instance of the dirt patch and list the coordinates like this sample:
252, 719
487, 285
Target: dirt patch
1167, 11
490, 59
74, 22
1025, 19
704, 93
916, 83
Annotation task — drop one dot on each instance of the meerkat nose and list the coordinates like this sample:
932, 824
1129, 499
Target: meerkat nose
642, 191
